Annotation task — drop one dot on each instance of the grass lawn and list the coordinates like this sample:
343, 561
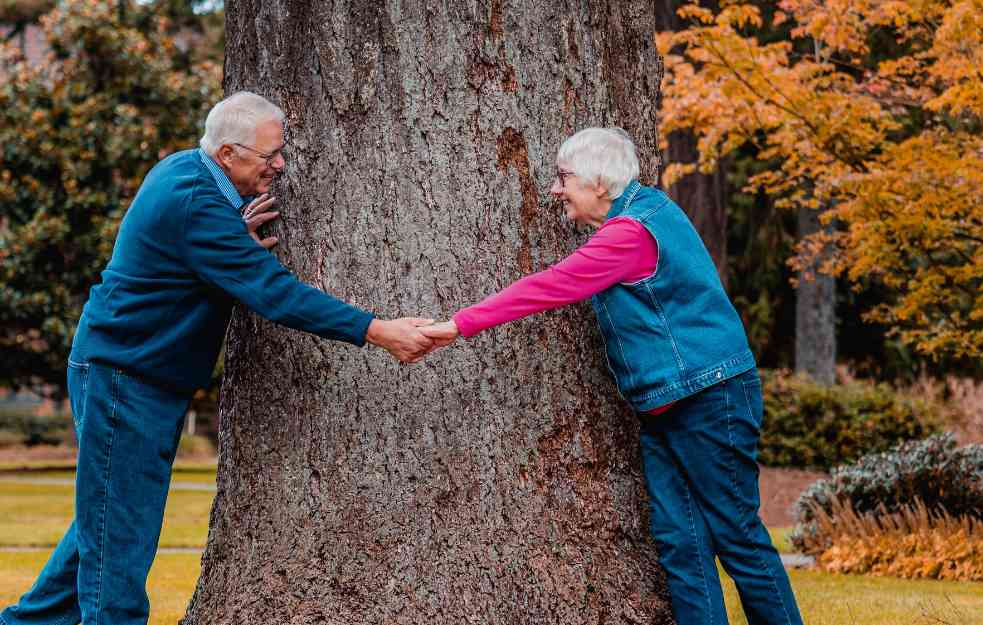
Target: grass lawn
171, 584
193, 476
36, 514
824, 599
827, 599
779, 538
67, 467
39, 514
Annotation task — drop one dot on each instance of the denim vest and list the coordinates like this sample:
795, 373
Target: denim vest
674, 333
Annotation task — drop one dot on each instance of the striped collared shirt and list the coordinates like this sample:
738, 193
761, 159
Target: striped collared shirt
224, 184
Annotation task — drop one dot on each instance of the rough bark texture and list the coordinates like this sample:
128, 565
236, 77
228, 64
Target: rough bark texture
702, 196
497, 482
815, 315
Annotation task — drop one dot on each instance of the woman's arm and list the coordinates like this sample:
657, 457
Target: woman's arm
622, 250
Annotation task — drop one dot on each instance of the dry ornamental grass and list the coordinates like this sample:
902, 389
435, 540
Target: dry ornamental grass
913, 543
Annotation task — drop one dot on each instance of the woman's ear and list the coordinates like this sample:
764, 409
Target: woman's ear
600, 190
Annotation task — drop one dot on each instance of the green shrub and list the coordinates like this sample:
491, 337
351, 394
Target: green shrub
10, 439
809, 425
22, 426
934, 471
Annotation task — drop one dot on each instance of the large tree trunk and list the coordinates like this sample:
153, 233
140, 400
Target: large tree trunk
815, 313
702, 196
497, 482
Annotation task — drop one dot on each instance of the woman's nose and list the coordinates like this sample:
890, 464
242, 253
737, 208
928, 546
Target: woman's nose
556, 189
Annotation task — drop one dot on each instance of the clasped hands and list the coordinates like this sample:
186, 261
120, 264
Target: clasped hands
409, 339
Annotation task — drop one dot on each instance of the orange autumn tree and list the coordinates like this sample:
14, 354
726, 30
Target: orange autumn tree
871, 110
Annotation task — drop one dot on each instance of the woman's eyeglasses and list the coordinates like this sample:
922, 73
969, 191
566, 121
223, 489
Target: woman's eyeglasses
562, 177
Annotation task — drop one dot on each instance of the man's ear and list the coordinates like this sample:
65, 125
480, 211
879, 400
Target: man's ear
225, 154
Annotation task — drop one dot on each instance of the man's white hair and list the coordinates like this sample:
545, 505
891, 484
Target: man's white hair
603, 156
234, 120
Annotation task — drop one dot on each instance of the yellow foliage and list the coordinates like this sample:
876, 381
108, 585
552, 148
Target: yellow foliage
886, 142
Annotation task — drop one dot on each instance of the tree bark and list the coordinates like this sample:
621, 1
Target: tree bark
702, 196
815, 314
498, 481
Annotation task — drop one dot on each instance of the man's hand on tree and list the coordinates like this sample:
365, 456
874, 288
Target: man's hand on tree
401, 337
258, 213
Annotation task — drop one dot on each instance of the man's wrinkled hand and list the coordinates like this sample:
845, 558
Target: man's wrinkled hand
257, 213
401, 337
442, 334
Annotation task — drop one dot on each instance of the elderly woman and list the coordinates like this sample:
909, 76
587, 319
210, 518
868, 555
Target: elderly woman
680, 357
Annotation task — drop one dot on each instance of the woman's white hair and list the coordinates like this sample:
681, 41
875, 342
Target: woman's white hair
234, 120
603, 156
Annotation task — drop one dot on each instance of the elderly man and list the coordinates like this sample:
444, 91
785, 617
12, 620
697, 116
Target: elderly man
149, 337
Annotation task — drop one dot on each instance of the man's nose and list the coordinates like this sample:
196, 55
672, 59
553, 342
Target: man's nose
278, 163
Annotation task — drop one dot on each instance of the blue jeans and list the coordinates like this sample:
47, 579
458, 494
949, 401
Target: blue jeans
128, 432
702, 478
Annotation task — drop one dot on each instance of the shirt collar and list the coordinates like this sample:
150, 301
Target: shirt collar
224, 184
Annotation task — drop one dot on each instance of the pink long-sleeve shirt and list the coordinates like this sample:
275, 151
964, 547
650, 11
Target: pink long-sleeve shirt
621, 250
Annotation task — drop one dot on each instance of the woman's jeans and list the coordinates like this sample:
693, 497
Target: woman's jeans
128, 432
702, 477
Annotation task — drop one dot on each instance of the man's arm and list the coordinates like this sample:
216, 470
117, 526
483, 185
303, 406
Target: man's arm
223, 250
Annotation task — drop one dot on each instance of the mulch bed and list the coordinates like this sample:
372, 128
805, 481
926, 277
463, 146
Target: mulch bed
780, 488
37, 453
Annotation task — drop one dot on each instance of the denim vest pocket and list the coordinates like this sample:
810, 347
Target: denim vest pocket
645, 288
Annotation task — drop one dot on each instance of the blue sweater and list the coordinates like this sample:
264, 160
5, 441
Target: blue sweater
182, 256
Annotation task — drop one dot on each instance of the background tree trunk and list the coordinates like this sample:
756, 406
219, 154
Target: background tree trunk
815, 314
702, 196
498, 482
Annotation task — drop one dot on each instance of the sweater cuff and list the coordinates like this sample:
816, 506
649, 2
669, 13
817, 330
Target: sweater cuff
465, 325
362, 328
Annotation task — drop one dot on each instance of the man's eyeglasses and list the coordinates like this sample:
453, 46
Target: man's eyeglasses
269, 158
562, 177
